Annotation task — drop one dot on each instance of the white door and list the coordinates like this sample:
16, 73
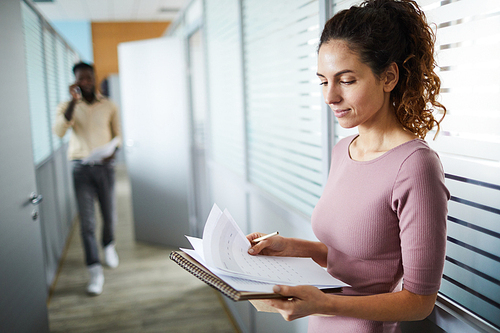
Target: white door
23, 293
155, 120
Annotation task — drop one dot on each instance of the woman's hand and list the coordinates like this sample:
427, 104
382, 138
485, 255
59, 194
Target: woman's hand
307, 300
303, 301
273, 246
288, 247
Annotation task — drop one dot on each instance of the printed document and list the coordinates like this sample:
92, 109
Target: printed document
223, 249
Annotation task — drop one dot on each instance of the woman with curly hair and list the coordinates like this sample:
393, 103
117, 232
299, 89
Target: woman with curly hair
381, 220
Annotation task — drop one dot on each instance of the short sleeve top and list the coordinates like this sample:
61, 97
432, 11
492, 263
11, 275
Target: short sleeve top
384, 220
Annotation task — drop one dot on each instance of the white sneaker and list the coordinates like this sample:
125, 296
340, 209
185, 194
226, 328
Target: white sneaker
110, 256
96, 279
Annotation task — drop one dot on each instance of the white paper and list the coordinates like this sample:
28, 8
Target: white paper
102, 152
224, 250
223, 241
197, 244
234, 280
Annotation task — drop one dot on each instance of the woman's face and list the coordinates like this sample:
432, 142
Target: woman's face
355, 95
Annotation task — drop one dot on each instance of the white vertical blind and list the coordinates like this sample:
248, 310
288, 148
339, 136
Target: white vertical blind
225, 84
40, 126
283, 99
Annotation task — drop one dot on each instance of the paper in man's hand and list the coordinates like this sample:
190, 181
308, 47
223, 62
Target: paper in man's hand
98, 154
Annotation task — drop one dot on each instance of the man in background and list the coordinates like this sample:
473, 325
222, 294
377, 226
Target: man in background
95, 123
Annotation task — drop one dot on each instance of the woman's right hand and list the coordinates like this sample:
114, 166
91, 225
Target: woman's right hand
288, 247
273, 246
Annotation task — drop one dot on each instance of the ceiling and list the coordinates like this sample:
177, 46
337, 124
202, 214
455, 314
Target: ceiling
110, 10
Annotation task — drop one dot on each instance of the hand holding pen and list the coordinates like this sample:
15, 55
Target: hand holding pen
267, 244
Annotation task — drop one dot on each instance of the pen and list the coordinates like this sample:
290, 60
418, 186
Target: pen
256, 240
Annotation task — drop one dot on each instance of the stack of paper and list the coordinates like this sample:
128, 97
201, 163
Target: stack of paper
223, 250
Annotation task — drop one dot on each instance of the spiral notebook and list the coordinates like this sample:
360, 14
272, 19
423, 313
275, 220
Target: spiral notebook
221, 260
204, 274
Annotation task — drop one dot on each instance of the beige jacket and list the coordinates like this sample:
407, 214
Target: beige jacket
93, 125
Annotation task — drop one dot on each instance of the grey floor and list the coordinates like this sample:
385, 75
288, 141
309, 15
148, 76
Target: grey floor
146, 293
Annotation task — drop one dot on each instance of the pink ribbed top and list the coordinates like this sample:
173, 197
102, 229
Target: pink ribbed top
383, 221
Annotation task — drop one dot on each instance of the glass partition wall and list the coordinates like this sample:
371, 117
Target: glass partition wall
49, 62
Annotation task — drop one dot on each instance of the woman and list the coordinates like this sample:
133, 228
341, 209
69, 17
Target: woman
381, 220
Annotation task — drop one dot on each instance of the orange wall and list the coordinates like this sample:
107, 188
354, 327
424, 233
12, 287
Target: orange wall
107, 35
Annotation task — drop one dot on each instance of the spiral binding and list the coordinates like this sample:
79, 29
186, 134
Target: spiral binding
209, 279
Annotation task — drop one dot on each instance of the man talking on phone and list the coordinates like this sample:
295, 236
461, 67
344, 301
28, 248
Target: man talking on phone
94, 122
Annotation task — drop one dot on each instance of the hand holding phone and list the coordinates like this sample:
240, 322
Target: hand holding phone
75, 91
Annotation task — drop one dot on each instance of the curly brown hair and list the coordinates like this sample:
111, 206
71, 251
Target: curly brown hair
385, 31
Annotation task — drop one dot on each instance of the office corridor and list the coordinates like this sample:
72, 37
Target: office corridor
146, 293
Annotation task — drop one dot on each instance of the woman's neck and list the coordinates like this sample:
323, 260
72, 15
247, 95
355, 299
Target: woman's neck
375, 140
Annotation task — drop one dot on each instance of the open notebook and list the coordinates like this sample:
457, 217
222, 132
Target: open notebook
201, 272
220, 259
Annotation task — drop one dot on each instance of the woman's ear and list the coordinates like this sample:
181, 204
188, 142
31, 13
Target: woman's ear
390, 77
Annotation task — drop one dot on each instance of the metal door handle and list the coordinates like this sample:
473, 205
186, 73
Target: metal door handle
35, 198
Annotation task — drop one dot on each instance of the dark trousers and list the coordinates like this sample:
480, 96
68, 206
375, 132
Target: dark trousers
93, 181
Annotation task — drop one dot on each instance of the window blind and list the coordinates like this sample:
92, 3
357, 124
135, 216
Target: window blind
49, 63
51, 80
225, 84
283, 100
63, 82
40, 127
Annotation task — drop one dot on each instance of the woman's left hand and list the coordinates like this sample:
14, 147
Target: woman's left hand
396, 306
304, 301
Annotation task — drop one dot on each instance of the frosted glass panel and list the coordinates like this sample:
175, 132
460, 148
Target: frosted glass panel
283, 100
225, 84
40, 126
52, 80
468, 51
49, 62
62, 69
